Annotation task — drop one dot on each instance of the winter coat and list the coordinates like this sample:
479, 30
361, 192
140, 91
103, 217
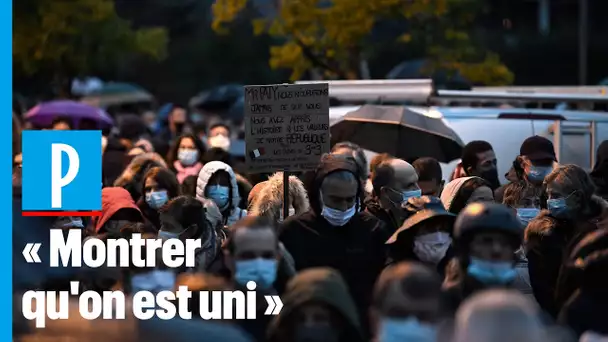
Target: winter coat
548, 243
357, 249
372, 206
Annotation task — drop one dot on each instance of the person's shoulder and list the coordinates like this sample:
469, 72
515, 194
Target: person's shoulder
369, 220
366, 216
296, 223
298, 220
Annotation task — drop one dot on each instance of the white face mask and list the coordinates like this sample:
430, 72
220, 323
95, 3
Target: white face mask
220, 141
431, 248
338, 218
292, 212
187, 156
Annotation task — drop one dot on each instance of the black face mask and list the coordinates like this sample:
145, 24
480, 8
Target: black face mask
491, 176
316, 333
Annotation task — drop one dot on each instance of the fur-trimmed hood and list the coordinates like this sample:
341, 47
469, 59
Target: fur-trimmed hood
235, 213
543, 224
269, 200
136, 165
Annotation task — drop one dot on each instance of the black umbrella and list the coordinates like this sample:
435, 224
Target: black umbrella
398, 131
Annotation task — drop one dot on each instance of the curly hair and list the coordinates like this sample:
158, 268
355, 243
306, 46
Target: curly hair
515, 193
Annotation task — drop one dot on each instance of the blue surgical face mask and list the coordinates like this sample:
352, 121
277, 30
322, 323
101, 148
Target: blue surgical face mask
154, 281
492, 272
156, 199
526, 215
411, 194
338, 218
219, 194
538, 173
187, 156
558, 207
262, 271
406, 329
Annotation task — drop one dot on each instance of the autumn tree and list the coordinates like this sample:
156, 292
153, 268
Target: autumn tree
64, 39
336, 36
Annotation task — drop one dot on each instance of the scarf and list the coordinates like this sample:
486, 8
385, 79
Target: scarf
185, 171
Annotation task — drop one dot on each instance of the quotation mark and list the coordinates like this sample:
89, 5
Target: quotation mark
30, 253
274, 305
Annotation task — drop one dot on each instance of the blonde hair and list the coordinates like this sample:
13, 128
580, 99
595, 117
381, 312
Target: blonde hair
571, 178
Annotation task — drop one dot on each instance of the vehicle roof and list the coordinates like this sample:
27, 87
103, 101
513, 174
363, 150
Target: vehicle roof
520, 113
492, 113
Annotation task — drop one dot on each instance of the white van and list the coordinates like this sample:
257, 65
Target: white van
507, 128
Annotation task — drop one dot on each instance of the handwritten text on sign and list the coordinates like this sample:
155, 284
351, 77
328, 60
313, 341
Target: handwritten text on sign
287, 126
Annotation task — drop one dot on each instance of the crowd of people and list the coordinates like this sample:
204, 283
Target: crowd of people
382, 251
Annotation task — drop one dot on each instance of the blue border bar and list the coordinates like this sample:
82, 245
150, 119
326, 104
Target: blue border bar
6, 100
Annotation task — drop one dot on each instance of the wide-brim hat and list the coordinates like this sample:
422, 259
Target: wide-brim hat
424, 208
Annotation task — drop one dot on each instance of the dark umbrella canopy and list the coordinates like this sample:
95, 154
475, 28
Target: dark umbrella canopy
400, 132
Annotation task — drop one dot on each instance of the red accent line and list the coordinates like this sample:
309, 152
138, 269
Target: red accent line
61, 213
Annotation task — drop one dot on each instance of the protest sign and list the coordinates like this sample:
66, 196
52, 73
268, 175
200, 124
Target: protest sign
286, 126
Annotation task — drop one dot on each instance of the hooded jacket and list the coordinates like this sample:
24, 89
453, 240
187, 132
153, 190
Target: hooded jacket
269, 200
233, 213
316, 285
112, 200
599, 174
356, 249
133, 175
548, 243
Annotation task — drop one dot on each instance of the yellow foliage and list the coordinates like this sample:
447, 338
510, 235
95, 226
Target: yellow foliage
76, 34
331, 35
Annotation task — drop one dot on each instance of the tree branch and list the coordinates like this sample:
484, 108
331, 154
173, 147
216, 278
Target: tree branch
316, 60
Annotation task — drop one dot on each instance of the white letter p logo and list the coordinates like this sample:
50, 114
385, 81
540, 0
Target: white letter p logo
57, 181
